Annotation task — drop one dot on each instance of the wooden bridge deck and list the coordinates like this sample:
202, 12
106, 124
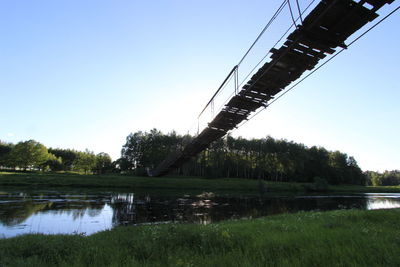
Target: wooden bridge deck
324, 29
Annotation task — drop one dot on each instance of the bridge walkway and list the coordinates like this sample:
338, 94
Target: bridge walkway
324, 29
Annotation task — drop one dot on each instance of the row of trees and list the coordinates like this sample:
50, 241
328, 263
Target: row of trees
385, 178
35, 156
265, 158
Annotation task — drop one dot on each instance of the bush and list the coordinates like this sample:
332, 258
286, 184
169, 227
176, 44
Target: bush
320, 184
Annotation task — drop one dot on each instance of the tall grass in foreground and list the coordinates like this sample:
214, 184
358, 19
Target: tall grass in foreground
335, 238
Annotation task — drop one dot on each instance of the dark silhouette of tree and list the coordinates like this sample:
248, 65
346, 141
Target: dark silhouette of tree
5, 149
147, 149
52, 163
265, 158
103, 163
68, 157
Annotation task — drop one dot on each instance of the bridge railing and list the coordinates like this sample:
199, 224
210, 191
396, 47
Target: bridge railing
247, 66
324, 29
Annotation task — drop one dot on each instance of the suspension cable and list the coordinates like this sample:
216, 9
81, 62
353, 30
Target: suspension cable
276, 14
298, 9
291, 45
283, 35
323, 64
291, 13
219, 89
264, 57
265, 28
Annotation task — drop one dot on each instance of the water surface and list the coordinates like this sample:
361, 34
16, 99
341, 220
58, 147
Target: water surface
55, 212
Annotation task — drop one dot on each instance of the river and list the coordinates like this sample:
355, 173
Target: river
77, 212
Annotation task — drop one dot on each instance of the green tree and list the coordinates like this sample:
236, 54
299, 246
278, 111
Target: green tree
354, 173
338, 165
84, 161
103, 163
5, 149
29, 154
148, 149
53, 163
383, 179
265, 158
68, 157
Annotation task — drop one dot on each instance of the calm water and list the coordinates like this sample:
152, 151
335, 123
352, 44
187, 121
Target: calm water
53, 212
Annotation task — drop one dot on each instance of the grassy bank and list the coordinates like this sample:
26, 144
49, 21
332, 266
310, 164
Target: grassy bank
335, 238
168, 185
161, 185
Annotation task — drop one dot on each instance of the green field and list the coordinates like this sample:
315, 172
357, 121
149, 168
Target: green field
334, 238
169, 185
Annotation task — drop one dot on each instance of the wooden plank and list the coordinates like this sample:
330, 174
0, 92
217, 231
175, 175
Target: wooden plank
325, 28
308, 38
305, 49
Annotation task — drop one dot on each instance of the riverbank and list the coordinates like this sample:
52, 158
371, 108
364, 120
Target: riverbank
171, 185
335, 238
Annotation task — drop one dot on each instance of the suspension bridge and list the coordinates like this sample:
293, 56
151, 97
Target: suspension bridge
321, 32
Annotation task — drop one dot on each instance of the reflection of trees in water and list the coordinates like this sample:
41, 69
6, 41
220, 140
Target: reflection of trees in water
77, 210
307, 203
15, 214
95, 211
124, 209
382, 203
332, 203
129, 209
25, 205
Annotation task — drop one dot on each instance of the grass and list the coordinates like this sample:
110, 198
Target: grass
167, 185
162, 185
334, 238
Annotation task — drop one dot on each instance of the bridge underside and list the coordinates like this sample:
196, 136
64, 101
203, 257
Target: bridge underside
323, 30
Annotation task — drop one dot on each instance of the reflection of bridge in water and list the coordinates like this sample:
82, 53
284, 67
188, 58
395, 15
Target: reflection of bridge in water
322, 31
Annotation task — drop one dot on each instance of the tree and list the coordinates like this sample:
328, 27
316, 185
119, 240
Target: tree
385, 178
148, 149
85, 161
103, 163
53, 163
265, 158
29, 154
5, 149
338, 165
354, 173
68, 157
132, 151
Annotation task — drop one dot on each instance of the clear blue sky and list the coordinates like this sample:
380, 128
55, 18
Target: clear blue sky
84, 74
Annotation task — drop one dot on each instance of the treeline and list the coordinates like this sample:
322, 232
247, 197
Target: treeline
32, 155
385, 178
265, 158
